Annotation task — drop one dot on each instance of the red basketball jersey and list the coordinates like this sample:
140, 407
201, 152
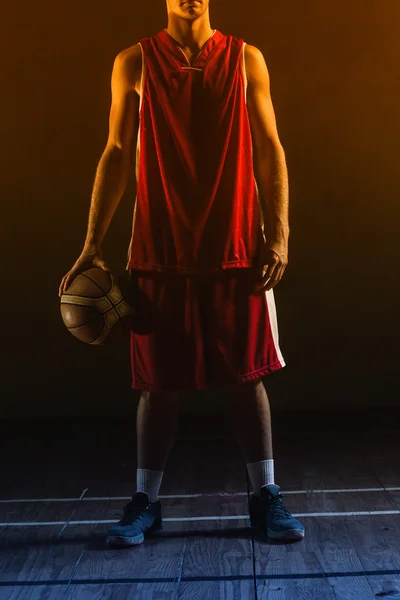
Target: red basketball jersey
197, 208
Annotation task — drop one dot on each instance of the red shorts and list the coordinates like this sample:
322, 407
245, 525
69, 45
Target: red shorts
197, 331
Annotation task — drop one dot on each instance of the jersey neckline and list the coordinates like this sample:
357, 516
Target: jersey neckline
180, 55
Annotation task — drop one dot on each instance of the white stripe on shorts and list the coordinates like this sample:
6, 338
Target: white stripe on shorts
270, 298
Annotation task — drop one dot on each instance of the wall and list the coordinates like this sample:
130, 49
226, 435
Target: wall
336, 91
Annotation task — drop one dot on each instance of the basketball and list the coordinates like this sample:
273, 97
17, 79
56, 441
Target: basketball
99, 307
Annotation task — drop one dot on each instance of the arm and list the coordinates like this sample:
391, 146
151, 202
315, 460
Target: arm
114, 168
270, 168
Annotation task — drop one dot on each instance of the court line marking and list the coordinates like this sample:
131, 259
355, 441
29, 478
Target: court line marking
96, 581
208, 518
204, 495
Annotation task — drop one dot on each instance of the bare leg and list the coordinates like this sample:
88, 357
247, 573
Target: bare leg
156, 428
251, 421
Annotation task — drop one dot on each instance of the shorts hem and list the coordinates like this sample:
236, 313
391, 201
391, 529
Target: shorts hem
202, 385
191, 270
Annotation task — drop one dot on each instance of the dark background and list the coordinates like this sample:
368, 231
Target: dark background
336, 90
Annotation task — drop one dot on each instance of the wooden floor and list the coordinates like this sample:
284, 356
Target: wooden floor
65, 483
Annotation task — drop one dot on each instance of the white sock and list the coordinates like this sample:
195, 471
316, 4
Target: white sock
261, 473
149, 482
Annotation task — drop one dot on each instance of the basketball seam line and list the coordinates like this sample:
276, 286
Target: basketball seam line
96, 284
97, 316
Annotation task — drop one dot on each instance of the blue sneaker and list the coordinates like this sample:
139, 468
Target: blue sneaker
269, 515
140, 516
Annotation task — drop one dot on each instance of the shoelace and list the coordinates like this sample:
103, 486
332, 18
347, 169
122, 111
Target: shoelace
276, 506
131, 512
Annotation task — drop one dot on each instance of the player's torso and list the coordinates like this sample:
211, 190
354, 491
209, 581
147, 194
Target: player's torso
139, 65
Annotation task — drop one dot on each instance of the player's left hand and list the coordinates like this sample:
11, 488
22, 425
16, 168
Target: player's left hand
275, 260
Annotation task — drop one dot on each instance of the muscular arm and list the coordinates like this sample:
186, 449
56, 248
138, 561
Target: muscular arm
268, 155
115, 165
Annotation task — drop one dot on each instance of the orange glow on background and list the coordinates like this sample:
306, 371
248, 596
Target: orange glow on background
336, 93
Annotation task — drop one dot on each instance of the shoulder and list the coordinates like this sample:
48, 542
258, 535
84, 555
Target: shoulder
256, 67
128, 64
131, 56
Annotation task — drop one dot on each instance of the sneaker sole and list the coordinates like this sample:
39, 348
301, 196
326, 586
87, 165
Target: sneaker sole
292, 534
123, 541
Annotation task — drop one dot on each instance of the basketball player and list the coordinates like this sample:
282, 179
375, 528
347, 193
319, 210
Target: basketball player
209, 243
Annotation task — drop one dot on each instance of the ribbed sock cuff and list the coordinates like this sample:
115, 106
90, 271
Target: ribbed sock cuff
149, 482
261, 473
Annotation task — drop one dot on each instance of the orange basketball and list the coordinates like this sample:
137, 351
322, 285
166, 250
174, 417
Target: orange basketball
98, 307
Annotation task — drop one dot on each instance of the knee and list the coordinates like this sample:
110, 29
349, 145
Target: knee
241, 393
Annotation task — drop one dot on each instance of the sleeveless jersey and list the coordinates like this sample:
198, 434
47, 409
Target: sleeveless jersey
197, 207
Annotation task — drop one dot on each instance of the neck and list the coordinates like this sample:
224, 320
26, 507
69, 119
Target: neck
190, 34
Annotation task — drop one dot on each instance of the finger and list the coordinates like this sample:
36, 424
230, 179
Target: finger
266, 287
102, 264
262, 286
283, 269
69, 280
271, 267
262, 273
270, 278
269, 273
275, 279
263, 277
66, 284
61, 288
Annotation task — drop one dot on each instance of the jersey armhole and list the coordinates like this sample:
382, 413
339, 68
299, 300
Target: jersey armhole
142, 78
244, 73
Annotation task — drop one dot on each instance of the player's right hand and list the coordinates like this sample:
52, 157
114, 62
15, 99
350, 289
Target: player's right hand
87, 260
